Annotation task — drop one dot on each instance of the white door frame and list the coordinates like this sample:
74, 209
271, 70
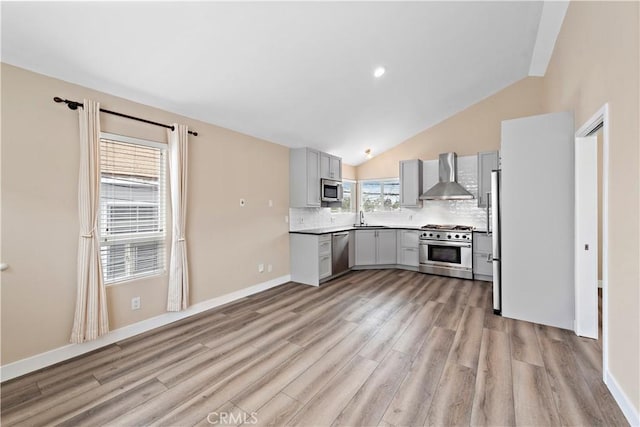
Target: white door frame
602, 117
586, 234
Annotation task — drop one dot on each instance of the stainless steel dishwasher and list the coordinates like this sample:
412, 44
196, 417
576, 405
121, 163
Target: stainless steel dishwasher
339, 253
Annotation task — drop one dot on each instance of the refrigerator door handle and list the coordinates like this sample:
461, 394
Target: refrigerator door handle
495, 239
488, 216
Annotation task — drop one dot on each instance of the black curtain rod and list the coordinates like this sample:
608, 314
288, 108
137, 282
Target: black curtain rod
73, 105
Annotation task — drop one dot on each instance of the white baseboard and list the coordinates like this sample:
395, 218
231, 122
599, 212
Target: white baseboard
623, 401
48, 358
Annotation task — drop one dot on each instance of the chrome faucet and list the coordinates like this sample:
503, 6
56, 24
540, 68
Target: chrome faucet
361, 218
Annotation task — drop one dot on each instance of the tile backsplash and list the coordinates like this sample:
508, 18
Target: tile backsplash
303, 218
460, 212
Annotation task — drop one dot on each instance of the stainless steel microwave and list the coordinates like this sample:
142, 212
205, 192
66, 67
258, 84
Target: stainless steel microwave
330, 190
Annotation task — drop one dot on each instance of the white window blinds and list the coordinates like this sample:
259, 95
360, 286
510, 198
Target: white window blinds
132, 207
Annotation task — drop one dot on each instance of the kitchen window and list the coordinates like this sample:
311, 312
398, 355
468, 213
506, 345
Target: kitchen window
348, 198
132, 207
380, 195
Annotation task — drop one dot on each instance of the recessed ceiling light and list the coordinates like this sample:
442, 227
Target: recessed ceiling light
378, 72
367, 153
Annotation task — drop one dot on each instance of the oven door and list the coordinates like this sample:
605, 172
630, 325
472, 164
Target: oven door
446, 254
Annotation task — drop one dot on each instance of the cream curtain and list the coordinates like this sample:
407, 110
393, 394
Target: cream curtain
178, 298
91, 318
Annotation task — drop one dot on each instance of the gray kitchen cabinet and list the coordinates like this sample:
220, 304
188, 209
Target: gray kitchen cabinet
410, 183
352, 248
310, 257
324, 256
386, 246
487, 162
304, 178
330, 167
376, 247
408, 241
482, 257
366, 247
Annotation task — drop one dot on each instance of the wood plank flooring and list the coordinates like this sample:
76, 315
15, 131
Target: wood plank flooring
377, 347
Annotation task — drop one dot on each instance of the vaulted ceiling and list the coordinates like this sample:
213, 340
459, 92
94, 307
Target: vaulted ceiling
298, 74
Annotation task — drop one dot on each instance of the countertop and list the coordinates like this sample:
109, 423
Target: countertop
338, 229
480, 230
328, 230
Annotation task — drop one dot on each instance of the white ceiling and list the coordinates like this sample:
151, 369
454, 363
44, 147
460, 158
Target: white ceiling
299, 74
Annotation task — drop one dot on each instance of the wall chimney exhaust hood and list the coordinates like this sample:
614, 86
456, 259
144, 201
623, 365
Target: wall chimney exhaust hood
447, 188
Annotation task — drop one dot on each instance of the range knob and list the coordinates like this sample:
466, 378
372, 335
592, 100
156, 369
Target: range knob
430, 234
448, 236
457, 236
438, 236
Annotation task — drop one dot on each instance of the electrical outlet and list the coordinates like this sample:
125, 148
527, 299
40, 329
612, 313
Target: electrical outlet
333, 220
260, 268
135, 303
286, 219
270, 203
269, 268
243, 202
410, 217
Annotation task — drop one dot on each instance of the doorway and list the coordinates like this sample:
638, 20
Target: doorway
588, 295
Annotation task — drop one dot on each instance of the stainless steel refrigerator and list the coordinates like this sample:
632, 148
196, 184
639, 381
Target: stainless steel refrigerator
496, 237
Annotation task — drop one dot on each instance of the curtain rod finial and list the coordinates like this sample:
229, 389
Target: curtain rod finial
58, 99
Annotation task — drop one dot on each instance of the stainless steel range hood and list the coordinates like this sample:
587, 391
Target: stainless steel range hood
447, 188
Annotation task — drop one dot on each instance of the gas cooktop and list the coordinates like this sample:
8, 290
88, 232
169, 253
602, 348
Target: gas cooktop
447, 227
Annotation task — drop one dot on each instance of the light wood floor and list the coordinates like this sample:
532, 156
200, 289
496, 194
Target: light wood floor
383, 347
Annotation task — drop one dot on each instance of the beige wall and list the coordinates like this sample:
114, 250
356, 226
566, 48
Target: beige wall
39, 211
595, 61
348, 171
475, 129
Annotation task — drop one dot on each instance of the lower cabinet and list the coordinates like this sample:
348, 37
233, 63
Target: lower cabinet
408, 241
386, 246
482, 257
310, 258
376, 247
366, 247
324, 256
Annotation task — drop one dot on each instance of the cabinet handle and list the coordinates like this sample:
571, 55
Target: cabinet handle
489, 257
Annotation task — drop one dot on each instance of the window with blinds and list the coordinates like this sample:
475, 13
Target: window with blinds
132, 207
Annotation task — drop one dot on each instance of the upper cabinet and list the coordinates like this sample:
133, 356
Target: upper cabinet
410, 183
304, 178
487, 162
330, 167
306, 168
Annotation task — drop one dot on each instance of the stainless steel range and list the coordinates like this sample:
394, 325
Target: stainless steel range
446, 250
